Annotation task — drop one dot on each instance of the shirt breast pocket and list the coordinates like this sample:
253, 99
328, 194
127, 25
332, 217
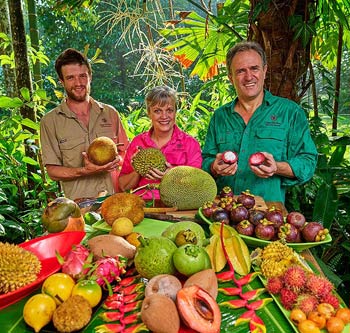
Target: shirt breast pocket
71, 150
273, 141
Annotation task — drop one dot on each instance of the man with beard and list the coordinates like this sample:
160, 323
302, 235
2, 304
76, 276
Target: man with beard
67, 131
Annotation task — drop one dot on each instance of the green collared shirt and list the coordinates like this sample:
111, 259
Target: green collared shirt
279, 126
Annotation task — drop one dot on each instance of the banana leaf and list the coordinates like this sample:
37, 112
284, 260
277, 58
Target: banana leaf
11, 319
275, 318
273, 315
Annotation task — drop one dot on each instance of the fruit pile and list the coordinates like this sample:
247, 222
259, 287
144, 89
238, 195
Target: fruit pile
68, 297
64, 302
309, 297
240, 212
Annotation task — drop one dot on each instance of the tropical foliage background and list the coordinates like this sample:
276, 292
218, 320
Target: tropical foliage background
134, 45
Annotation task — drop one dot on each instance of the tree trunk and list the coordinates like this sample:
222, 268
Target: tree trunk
34, 40
23, 77
337, 82
9, 73
287, 58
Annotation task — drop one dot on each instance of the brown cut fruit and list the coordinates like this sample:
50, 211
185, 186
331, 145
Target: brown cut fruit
205, 279
159, 314
198, 310
102, 150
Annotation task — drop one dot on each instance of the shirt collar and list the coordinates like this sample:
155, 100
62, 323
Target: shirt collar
95, 106
268, 99
176, 136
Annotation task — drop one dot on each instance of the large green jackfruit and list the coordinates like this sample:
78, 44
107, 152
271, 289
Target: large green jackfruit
186, 187
147, 158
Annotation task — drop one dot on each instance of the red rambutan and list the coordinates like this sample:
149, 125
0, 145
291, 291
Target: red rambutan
319, 285
331, 299
288, 298
307, 303
295, 278
274, 285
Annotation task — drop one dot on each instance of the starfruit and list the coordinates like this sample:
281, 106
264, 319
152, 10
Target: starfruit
238, 254
216, 253
228, 231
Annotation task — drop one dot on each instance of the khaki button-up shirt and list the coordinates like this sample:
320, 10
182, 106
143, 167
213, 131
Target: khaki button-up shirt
63, 139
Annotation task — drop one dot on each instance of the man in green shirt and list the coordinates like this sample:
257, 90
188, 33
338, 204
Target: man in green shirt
257, 121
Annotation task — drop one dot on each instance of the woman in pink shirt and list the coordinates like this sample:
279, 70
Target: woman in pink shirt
178, 147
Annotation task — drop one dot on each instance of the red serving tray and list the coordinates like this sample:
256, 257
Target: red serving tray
44, 248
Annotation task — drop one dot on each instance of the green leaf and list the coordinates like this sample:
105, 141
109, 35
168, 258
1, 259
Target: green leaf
25, 93
8, 102
41, 93
326, 204
30, 123
202, 42
337, 157
2, 229
29, 160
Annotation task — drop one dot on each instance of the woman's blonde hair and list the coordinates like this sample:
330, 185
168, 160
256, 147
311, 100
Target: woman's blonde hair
160, 95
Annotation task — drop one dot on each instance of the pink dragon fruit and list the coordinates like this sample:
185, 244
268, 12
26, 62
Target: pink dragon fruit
108, 269
77, 262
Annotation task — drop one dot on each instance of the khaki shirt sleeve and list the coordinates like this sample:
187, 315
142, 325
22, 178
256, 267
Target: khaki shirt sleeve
48, 141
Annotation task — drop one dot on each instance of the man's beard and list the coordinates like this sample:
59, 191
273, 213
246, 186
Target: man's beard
78, 98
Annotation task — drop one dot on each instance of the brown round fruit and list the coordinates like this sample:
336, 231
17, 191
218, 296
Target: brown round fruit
102, 150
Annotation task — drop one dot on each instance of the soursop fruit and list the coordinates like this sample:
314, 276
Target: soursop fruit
186, 187
147, 158
154, 256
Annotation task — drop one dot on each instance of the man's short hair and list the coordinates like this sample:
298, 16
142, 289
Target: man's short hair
71, 56
241, 47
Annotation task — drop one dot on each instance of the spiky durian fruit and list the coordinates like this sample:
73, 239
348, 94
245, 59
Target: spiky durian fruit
147, 158
18, 267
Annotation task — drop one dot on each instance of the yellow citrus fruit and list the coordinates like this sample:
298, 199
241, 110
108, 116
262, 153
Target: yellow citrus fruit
122, 226
59, 286
132, 238
90, 290
38, 311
